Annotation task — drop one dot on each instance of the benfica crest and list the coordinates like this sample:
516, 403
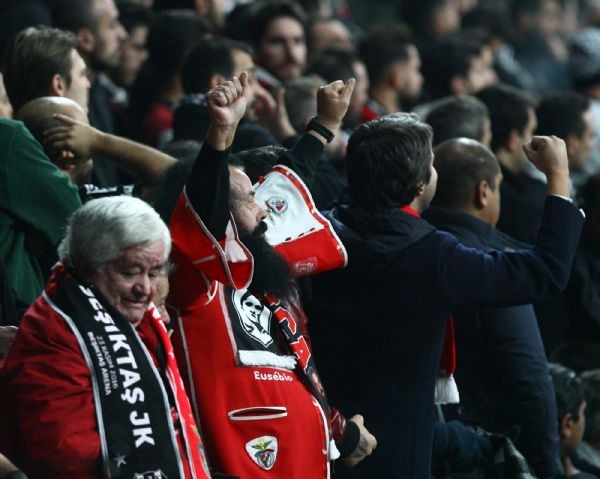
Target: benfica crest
277, 205
263, 451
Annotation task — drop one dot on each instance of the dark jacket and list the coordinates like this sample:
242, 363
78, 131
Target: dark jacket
378, 325
502, 372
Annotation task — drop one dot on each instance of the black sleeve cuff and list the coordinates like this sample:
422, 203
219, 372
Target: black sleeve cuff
350, 440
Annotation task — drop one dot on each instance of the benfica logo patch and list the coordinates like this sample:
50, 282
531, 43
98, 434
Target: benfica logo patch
263, 451
277, 205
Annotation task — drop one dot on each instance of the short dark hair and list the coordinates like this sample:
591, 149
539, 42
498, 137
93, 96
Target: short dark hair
334, 65
561, 114
382, 46
419, 13
208, 57
32, 58
448, 57
132, 16
264, 12
568, 388
458, 117
509, 110
461, 165
258, 162
388, 159
591, 386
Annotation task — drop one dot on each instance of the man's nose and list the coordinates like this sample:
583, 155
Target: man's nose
143, 287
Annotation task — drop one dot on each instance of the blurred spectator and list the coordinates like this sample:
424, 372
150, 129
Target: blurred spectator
539, 45
431, 19
335, 65
514, 121
460, 117
587, 454
327, 34
394, 67
458, 65
100, 36
158, 86
42, 61
569, 116
570, 402
277, 32
584, 65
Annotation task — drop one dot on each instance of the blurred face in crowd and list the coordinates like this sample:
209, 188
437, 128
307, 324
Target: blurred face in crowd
330, 34
412, 79
445, 19
134, 54
79, 88
6, 110
580, 148
243, 63
130, 282
282, 49
109, 35
526, 135
549, 21
481, 74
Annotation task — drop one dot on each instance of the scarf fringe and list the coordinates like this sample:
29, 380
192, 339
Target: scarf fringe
446, 391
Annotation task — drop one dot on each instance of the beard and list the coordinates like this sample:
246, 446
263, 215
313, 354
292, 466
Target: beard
272, 274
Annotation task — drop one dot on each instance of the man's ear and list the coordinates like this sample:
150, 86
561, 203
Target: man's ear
566, 426
86, 40
481, 194
58, 86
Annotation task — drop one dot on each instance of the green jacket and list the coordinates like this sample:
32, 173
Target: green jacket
36, 199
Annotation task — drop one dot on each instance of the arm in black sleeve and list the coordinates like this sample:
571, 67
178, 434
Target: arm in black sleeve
207, 189
303, 158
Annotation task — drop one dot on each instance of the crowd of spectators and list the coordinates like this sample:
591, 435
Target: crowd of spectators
300, 238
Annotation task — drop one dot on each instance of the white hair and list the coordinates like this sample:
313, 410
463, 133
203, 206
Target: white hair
102, 229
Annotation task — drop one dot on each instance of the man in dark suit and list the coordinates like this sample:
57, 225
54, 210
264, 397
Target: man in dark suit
389, 308
502, 371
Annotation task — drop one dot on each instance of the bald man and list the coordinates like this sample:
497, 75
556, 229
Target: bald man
502, 371
62, 127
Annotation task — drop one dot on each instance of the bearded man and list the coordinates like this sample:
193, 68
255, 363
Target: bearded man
251, 372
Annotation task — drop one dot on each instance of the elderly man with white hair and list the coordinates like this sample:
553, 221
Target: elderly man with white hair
90, 385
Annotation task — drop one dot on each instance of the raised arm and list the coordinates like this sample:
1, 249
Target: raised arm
207, 187
77, 140
332, 104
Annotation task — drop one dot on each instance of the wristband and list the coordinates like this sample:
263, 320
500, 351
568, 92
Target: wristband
315, 125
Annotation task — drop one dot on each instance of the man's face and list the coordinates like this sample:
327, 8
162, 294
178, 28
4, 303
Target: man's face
282, 50
243, 63
330, 34
134, 53
580, 148
129, 283
413, 80
252, 308
481, 74
247, 212
109, 35
526, 135
79, 88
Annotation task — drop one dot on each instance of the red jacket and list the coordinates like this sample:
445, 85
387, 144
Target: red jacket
48, 422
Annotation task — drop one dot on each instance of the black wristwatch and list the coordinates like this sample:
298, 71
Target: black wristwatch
315, 125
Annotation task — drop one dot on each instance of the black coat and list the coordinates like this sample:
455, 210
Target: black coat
502, 370
378, 325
